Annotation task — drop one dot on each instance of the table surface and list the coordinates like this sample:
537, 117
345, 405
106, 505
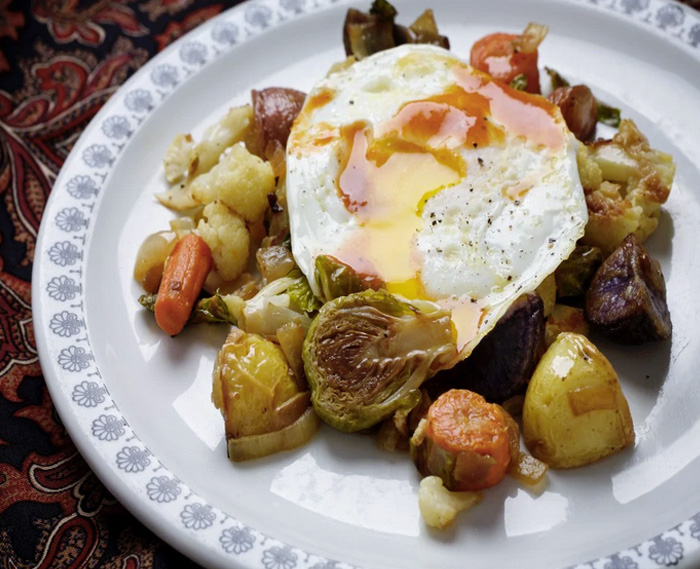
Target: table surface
54, 512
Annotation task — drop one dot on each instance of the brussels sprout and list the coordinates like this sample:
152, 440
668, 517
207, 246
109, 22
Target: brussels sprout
336, 279
627, 298
366, 355
300, 294
501, 365
575, 274
255, 390
367, 33
285, 300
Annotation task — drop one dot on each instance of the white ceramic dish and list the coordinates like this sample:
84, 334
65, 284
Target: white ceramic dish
137, 403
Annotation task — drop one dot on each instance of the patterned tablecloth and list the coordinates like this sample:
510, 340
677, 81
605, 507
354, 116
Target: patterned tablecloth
60, 60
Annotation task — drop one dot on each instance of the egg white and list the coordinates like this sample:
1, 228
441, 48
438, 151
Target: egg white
484, 239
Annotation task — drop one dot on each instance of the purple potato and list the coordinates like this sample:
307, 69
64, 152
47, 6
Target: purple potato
503, 362
627, 297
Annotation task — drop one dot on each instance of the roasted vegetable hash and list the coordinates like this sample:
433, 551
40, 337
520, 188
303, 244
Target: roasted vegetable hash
357, 337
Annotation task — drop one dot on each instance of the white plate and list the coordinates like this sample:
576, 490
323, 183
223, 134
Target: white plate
137, 403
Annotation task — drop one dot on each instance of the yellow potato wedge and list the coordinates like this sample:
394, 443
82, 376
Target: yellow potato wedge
575, 412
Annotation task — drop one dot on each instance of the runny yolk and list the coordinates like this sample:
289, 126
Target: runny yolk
384, 188
388, 175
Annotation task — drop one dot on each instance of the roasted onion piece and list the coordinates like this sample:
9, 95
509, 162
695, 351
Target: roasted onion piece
501, 365
367, 354
627, 298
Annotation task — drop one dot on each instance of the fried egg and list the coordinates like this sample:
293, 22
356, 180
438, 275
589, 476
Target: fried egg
424, 174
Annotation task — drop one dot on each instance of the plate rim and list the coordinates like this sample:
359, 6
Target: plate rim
239, 545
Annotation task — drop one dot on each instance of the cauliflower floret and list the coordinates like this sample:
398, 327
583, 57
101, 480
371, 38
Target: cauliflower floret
179, 159
240, 180
438, 506
231, 129
625, 182
227, 237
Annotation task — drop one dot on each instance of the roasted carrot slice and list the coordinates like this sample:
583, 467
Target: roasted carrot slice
463, 440
183, 278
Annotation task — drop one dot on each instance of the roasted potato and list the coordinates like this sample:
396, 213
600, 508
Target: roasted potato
564, 319
575, 412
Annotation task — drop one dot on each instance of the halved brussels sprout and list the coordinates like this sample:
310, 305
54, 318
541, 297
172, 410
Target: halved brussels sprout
366, 355
336, 279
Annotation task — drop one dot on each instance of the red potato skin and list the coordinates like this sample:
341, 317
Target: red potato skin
495, 54
275, 109
579, 109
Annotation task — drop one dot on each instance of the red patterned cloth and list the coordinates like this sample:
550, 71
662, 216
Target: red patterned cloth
60, 60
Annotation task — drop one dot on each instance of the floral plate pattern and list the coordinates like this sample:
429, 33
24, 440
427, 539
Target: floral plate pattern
76, 381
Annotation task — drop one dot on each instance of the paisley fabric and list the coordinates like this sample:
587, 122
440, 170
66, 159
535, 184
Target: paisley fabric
60, 60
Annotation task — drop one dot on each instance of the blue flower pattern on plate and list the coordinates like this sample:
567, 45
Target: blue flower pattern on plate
165, 75
82, 187
62, 288
108, 428
74, 358
617, 562
98, 156
116, 127
163, 489
64, 253
194, 53
197, 516
133, 459
71, 220
237, 539
670, 16
279, 558
630, 6
88, 394
666, 551
139, 101
66, 324
225, 33
258, 15
295, 6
